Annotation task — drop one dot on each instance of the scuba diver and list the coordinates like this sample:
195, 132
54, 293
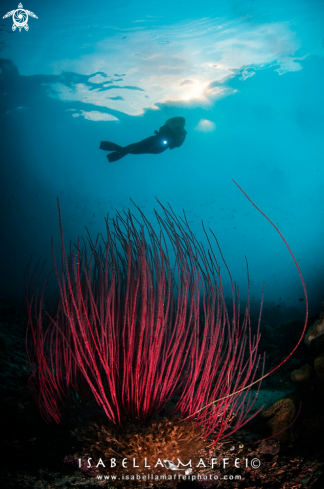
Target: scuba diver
171, 135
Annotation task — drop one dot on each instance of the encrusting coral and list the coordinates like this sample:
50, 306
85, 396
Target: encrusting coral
316, 331
304, 374
309, 395
148, 447
281, 415
319, 366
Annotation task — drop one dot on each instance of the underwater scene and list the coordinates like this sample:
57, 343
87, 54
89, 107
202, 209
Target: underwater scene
162, 230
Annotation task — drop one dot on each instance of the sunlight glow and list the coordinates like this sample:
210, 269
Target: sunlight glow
187, 68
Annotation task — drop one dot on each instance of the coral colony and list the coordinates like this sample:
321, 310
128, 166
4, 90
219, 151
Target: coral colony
140, 329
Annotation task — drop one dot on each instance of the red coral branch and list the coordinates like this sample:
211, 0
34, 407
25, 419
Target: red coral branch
140, 327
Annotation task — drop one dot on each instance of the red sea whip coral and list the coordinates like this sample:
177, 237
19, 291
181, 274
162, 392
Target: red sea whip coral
140, 328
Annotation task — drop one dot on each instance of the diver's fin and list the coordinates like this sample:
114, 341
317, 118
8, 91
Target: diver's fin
115, 156
108, 146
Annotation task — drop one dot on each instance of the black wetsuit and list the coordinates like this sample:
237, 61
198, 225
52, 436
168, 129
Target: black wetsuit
169, 136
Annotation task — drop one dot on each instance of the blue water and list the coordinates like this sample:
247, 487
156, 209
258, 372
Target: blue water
248, 78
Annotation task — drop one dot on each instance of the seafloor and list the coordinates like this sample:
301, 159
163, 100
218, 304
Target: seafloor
33, 452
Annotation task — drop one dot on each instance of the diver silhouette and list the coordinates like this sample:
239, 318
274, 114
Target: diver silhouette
171, 135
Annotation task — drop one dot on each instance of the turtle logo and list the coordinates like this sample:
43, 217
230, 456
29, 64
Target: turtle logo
20, 18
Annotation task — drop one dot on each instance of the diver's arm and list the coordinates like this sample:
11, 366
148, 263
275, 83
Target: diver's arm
174, 138
178, 140
165, 132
